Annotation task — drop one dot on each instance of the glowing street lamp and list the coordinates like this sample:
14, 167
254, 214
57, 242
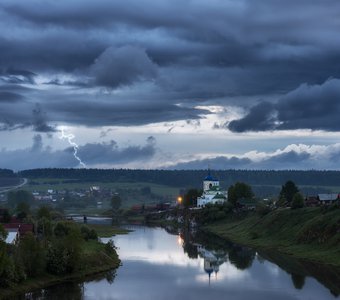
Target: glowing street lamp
179, 199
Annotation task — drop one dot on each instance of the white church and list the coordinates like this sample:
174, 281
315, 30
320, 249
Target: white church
211, 192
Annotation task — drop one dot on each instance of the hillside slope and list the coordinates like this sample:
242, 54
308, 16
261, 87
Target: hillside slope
311, 233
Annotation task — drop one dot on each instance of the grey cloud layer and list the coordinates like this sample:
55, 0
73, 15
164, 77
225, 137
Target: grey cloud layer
292, 157
164, 53
307, 107
92, 154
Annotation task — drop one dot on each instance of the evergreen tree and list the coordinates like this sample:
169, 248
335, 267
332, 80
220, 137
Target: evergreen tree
190, 197
238, 191
116, 202
288, 190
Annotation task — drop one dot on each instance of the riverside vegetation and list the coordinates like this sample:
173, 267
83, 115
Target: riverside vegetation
61, 250
311, 233
305, 232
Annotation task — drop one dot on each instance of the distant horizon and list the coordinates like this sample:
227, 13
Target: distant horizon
160, 169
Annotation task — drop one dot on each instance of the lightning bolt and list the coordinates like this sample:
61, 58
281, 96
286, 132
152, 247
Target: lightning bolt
69, 137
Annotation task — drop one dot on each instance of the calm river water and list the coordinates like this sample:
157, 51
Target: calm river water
162, 264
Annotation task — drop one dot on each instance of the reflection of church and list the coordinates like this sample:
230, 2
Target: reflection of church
212, 260
212, 193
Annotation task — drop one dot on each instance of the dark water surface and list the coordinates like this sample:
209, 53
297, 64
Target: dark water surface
162, 264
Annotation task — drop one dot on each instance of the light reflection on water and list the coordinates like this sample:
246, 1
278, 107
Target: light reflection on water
160, 265
156, 267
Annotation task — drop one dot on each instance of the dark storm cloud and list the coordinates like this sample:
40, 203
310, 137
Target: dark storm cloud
187, 51
24, 115
38, 156
56, 51
37, 143
10, 97
90, 110
311, 106
216, 34
122, 66
17, 76
123, 113
111, 153
315, 107
259, 118
39, 121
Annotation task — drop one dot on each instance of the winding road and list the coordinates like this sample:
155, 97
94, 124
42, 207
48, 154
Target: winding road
6, 189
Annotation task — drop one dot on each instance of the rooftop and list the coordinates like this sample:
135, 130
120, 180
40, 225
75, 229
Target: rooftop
328, 197
210, 178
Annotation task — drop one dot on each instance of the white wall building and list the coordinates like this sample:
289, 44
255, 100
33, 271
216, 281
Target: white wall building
12, 236
211, 192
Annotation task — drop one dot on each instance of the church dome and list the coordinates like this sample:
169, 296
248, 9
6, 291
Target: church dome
210, 178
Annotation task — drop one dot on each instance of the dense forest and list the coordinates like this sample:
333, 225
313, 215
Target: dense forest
8, 178
184, 178
7, 173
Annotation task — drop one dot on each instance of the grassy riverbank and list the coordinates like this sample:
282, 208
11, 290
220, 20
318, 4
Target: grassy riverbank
107, 230
95, 260
308, 233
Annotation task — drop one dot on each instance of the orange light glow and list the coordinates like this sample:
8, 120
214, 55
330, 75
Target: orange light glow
180, 241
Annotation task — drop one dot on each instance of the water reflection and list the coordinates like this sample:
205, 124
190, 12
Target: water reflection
67, 291
212, 260
216, 251
172, 264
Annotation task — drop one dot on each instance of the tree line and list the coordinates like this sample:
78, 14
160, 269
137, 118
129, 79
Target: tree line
184, 178
7, 173
56, 247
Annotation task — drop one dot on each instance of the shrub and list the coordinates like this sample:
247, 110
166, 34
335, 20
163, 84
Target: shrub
110, 248
88, 234
31, 255
298, 201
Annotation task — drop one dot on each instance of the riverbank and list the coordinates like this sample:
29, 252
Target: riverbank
96, 260
105, 231
307, 233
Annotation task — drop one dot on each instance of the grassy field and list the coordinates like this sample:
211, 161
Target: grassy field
309, 233
43, 184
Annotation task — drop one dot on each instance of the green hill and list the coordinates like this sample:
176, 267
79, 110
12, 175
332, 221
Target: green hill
311, 233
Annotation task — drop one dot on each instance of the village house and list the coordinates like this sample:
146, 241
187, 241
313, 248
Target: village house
12, 237
20, 228
312, 201
14, 227
246, 204
328, 199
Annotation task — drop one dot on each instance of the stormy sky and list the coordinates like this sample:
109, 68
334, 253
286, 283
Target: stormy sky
170, 84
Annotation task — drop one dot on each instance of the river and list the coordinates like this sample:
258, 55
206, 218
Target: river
164, 264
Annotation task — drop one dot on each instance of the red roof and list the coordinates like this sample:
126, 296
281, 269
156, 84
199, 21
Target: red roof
22, 228
14, 220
